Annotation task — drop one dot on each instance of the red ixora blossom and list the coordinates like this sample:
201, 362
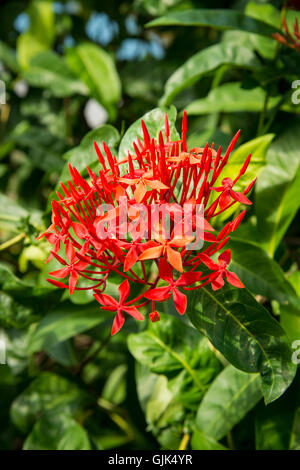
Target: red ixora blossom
102, 225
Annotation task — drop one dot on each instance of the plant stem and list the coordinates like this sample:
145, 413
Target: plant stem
184, 442
12, 241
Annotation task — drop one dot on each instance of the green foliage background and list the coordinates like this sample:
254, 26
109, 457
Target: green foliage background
222, 377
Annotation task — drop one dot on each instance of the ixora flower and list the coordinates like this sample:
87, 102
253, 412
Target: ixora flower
149, 220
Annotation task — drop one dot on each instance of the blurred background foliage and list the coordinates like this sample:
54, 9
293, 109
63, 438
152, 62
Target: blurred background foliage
77, 71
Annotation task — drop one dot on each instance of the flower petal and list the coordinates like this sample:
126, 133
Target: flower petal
233, 279
165, 271
240, 197
61, 273
180, 301
133, 311
73, 281
217, 282
118, 323
174, 259
131, 258
187, 279
140, 192
124, 290
209, 262
225, 257
152, 253
225, 199
105, 299
159, 293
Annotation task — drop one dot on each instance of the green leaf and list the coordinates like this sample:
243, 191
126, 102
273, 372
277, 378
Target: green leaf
179, 352
277, 188
216, 18
66, 321
84, 154
48, 70
11, 210
205, 62
57, 432
40, 34
290, 314
155, 123
277, 425
63, 353
266, 46
261, 274
114, 389
231, 98
201, 441
246, 334
48, 392
163, 414
97, 70
229, 398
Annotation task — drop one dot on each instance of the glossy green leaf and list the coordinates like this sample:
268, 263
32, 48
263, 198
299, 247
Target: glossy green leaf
57, 432
95, 67
48, 392
205, 62
277, 188
261, 274
48, 70
220, 19
231, 98
231, 395
266, 12
64, 322
246, 334
201, 441
171, 348
155, 123
265, 46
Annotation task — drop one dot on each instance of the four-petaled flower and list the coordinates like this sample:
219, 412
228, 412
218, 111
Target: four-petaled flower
219, 271
112, 305
163, 293
73, 269
142, 182
164, 247
228, 194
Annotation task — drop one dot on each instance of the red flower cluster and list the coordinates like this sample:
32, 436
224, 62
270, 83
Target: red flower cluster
289, 39
100, 224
